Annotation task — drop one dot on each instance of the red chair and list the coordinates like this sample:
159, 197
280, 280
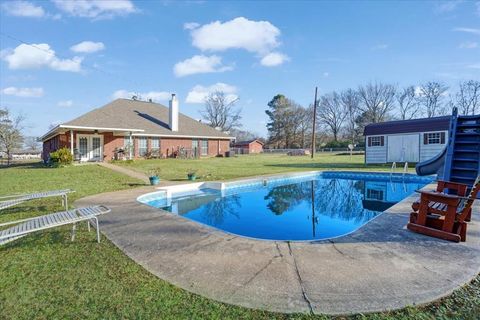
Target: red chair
443, 215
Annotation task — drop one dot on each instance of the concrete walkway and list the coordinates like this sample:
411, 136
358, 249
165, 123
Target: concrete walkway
380, 267
126, 171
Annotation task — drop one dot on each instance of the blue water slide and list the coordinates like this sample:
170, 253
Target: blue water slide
434, 165
460, 160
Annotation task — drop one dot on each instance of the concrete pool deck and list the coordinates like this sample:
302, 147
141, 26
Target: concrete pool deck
381, 266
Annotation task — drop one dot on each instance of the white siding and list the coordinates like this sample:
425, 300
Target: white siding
428, 151
376, 154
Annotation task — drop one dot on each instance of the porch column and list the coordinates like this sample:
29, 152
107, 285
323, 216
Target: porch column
130, 143
71, 142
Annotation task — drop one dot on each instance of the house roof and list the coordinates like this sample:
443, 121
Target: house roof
408, 126
242, 143
142, 118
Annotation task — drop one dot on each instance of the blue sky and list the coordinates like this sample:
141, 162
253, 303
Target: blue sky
86, 53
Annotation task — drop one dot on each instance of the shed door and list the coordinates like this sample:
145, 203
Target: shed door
403, 148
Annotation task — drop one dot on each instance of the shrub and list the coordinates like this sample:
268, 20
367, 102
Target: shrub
61, 157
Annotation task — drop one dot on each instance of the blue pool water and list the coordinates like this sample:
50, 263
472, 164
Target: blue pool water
314, 207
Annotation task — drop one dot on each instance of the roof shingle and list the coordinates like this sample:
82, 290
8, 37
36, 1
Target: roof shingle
151, 117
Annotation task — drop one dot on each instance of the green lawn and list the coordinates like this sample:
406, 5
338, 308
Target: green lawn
45, 276
250, 165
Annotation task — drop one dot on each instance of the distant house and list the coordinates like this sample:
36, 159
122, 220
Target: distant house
405, 140
135, 129
247, 147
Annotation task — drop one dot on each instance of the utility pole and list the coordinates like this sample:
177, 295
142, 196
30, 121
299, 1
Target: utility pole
314, 120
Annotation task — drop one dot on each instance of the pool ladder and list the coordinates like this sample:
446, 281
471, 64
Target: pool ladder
394, 167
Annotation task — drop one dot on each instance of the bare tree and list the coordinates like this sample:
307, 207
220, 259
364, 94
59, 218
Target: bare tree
408, 103
467, 98
31, 144
220, 111
332, 113
377, 101
350, 100
431, 95
10, 132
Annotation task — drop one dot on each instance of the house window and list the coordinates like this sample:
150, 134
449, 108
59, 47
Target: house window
204, 149
434, 138
195, 147
378, 141
142, 146
155, 144
127, 146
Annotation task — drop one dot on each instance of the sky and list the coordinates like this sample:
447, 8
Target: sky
60, 59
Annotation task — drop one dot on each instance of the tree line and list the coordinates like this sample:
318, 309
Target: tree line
342, 115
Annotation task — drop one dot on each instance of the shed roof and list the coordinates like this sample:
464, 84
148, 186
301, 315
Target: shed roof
408, 126
243, 143
148, 118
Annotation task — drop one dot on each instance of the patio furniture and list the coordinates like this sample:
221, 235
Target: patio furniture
445, 187
13, 200
57, 219
446, 218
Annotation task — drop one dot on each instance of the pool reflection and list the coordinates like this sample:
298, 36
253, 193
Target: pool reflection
307, 210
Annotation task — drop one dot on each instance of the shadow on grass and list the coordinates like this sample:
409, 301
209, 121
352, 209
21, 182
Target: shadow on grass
326, 165
136, 184
26, 165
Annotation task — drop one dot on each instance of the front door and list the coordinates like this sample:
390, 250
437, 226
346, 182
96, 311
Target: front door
90, 147
403, 148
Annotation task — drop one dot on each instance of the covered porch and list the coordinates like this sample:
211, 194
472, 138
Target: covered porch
91, 143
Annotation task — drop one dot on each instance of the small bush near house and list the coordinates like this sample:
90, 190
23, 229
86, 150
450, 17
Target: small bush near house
61, 157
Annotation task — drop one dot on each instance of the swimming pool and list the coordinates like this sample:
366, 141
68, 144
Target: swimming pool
314, 206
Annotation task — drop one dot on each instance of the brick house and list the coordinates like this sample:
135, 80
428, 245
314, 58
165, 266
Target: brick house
250, 146
134, 129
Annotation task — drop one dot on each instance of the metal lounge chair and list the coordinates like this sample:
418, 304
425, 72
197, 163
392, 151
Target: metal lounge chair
447, 217
57, 219
13, 200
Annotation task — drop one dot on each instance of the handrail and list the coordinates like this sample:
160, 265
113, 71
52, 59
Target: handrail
394, 167
405, 169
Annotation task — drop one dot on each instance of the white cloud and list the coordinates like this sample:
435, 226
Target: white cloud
468, 45
326, 74
88, 47
23, 9
274, 59
380, 46
154, 95
447, 6
96, 9
23, 92
240, 33
199, 92
190, 25
200, 64
40, 55
65, 103
474, 66
468, 30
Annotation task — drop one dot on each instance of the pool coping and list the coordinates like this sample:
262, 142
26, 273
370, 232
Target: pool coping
223, 185
381, 266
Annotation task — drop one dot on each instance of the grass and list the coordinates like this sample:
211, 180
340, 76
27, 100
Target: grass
250, 165
45, 276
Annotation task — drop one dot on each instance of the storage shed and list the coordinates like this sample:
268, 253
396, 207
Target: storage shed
247, 147
405, 140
